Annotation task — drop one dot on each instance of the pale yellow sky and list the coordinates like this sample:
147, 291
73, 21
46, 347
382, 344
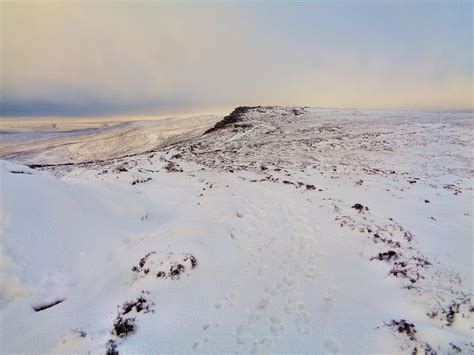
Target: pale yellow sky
163, 58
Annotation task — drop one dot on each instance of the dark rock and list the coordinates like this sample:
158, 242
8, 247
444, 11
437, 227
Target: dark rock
140, 181
403, 327
111, 348
123, 326
20, 172
192, 259
387, 256
234, 117
358, 207
176, 271
43, 306
453, 309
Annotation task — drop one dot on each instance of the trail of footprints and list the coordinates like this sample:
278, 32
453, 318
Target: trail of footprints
279, 308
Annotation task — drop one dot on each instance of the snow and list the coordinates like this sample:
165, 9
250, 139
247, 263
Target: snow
111, 140
281, 266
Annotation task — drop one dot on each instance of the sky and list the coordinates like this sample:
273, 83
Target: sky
108, 58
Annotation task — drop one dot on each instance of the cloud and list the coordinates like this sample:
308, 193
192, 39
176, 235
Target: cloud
104, 58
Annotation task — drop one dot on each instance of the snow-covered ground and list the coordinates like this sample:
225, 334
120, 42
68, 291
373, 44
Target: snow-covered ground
288, 230
57, 143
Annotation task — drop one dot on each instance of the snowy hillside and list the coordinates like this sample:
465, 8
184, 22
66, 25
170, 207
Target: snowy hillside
291, 230
54, 146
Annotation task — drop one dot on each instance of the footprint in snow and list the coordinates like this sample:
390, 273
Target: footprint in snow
243, 334
254, 316
271, 291
196, 345
263, 303
263, 346
277, 327
303, 319
290, 306
327, 305
331, 345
